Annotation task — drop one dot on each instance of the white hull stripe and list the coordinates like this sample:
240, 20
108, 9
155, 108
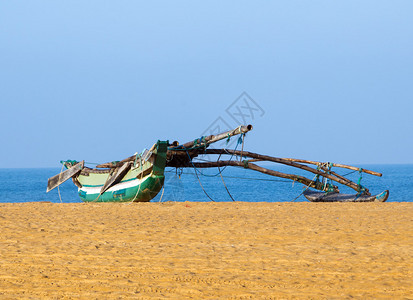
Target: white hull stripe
116, 187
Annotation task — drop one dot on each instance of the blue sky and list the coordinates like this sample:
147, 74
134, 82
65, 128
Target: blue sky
101, 80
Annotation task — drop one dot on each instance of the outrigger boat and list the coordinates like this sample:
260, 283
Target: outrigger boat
137, 178
140, 177
314, 196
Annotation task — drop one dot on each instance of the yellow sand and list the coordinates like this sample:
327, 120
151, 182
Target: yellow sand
206, 250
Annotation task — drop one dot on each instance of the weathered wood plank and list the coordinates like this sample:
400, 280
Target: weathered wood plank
55, 181
110, 165
116, 176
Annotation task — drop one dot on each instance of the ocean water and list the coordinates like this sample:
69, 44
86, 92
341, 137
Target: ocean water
27, 185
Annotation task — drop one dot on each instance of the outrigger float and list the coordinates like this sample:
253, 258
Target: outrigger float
140, 177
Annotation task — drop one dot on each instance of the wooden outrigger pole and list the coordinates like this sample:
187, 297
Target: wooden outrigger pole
325, 173
141, 176
333, 165
207, 140
181, 157
249, 165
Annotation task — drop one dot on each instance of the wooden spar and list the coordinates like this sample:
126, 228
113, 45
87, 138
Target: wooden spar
334, 165
58, 179
118, 163
109, 165
301, 179
331, 176
116, 177
215, 138
224, 135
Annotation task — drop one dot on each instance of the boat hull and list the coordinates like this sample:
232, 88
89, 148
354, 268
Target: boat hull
141, 182
136, 190
314, 196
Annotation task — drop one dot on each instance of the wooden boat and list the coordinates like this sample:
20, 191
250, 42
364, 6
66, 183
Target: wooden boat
140, 177
314, 196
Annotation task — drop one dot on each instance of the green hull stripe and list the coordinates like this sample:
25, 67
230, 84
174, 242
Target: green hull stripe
143, 192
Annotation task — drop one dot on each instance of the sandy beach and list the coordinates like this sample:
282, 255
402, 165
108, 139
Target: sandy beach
206, 250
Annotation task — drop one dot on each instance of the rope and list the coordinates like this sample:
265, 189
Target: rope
237, 177
198, 177
163, 189
258, 179
245, 163
317, 180
361, 189
361, 177
242, 145
133, 199
110, 174
312, 181
330, 186
58, 187
206, 175
349, 173
224, 181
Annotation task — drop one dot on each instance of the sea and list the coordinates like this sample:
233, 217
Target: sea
235, 184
